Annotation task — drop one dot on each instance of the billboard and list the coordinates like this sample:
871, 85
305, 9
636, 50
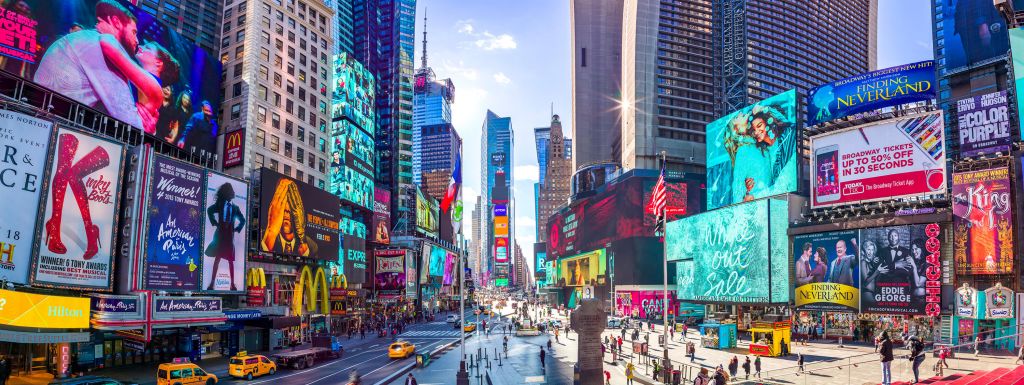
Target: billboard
644, 303
983, 221
438, 256
901, 269
353, 250
234, 148
27, 141
226, 233
353, 93
584, 269
389, 272
351, 174
883, 160
450, 260
381, 216
116, 58
751, 153
973, 33
737, 254
1017, 55
175, 226
297, 219
427, 213
827, 271
501, 226
501, 247
870, 91
80, 214
983, 123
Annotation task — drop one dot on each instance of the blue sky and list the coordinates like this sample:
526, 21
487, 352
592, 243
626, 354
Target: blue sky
513, 57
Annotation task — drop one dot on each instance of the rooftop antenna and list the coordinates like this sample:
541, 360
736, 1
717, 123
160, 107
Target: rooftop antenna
424, 64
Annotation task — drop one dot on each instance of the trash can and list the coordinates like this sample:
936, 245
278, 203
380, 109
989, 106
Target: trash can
677, 377
422, 360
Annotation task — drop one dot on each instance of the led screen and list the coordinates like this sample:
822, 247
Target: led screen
297, 219
983, 123
827, 271
973, 33
983, 221
584, 269
351, 173
871, 91
353, 249
751, 153
427, 213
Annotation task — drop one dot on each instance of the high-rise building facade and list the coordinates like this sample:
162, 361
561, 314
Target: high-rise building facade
475, 240
554, 190
496, 150
277, 72
542, 137
345, 27
198, 19
596, 27
441, 146
432, 116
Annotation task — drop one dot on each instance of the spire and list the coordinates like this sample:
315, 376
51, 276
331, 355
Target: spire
424, 64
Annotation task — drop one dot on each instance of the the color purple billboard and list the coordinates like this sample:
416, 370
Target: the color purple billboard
116, 58
983, 221
983, 123
175, 226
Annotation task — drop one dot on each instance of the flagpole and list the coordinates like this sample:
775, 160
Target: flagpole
666, 364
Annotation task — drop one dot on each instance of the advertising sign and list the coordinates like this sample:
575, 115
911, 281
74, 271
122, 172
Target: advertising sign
129, 304
500, 226
225, 233
984, 124
438, 256
983, 221
26, 141
880, 161
187, 305
174, 239
998, 302
827, 271
739, 254
501, 250
966, 302
563, 228
389, 273
43, 311
297, 219
1017, 55
901, 269
450, 259
751, 153
128, 71
410, 276
81, 213
584, 269
353, 249
644, 303
234, 149
353, 93
381, 216
973, 33
351, 174
500, 210
427, 213
870, 91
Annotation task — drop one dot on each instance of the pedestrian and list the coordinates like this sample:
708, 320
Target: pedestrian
702, 377
800, 363
620, 345
885, 356
410, 380
630, 370
977, 344
5, 370
945, 351
671, 333
1020, 355
691, 350
746, 368
783, 347
607, 378
757, 366
542, 365
734, 366
916, 356
720, 378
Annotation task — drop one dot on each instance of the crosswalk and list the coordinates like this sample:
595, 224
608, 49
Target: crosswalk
431, 333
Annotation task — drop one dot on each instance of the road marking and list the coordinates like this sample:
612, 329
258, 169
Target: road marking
533, 379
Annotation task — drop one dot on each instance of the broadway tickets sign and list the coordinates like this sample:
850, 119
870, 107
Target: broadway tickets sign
175, 226
880, 161
984, 124
25, 141
870, 91
827, 271
983, 221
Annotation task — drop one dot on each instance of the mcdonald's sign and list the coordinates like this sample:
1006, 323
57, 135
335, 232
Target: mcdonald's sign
256, 283
310, 286
233, 145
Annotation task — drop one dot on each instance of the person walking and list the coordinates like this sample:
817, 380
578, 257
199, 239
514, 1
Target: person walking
977, 344
783, 347
746, 368
702, 377
720, 378
542, 362
1020, 356
800, 363
630, 372
757, 366
607, 378
916, 356
5, 370
734, 366
410, 380
691, 350
885, 356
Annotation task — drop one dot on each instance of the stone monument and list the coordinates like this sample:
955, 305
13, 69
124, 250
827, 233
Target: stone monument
589, 320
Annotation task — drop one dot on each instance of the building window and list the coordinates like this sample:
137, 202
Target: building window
261, 137
299, 174
287, 170
288, 125
275, 121
289, 105
238, 70
287, 148
257, 161
261, 114
264, 55
236, 111
277, 79
583, 57
273, 164
300, 154
264, 73
236, 90
275, 143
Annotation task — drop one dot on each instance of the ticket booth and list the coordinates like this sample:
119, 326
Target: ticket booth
718, 336
767, 338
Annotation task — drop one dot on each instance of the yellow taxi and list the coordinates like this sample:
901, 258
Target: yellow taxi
246, 366
469, 327
182, 372
401, 349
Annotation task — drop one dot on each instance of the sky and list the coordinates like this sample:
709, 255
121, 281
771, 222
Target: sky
513, 57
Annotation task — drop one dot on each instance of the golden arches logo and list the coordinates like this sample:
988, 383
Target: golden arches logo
306, 288
338, 281
256, 277
234, 139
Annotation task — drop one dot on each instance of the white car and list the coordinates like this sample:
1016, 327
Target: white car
616, 322
452, 319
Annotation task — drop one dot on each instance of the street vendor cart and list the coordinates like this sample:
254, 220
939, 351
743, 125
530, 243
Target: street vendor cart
718, 336
770, 338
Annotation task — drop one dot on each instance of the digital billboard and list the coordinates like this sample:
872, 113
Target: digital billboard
983, 221
225, 233
500, 226
827, 271
501, 250
584, 269
889, 159
870, 91
973, 33
353, 249
351, 171
116, 58
751, 153
644, 303
27, 140
901, 269
297, 219
438, 256
80, 217
427, 213
234, 148
381, 216
354, 93
175, 226
389, 272
983, 122
737, 254
1017, 54
450, 259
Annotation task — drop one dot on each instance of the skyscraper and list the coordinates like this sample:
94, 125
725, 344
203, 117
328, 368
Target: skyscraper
496, 150
198, 19
596, 27
441, 145
707, 58
475, 240
554, 190
434, 139
277, 70
542, 136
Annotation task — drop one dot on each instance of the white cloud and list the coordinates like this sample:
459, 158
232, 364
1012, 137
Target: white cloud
525, 221
460, 69
464, 26
526, 172
490, 42
501, 78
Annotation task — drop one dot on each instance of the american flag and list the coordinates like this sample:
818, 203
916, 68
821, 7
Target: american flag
659, 196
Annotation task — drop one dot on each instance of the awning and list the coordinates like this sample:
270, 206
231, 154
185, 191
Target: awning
284, 322
43, 338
